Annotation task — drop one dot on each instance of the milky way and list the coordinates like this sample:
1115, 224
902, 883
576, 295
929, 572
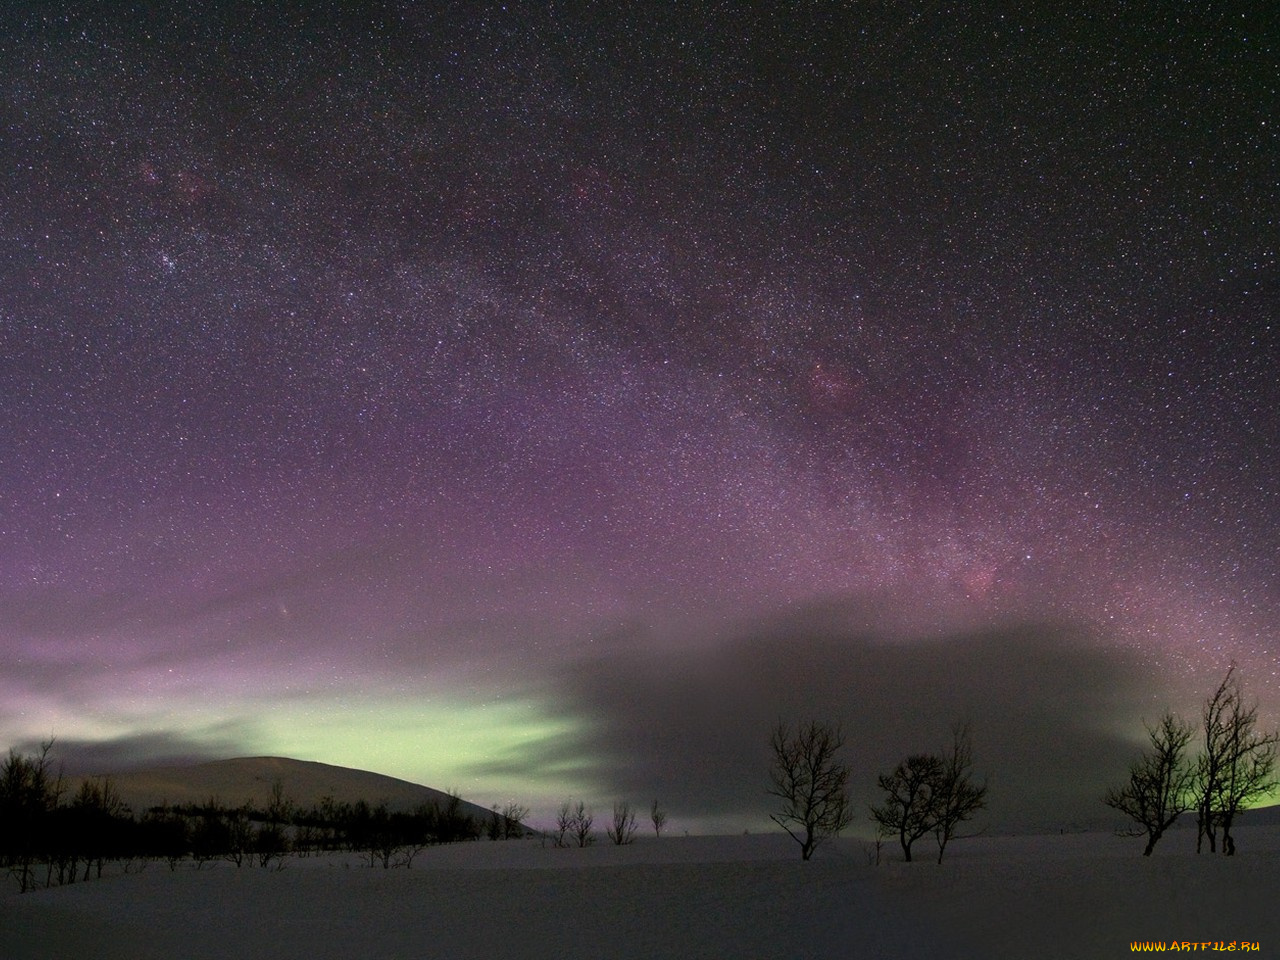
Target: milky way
383, 382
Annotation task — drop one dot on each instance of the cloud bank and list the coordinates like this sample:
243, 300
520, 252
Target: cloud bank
1053, 713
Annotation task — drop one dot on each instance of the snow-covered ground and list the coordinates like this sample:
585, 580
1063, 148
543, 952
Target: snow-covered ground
1073, 896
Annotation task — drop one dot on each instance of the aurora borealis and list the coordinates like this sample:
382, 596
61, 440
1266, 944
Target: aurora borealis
544, 399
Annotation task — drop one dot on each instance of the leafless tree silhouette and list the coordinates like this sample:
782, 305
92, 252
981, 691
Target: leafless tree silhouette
30, 792
623, 829
513, 815
1159, 787
581, 825
1236, 767
658, 816
930, 793
909, 806
956, 797
810, 780
271, 842
564, 824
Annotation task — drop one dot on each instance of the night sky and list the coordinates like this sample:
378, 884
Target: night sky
543, 400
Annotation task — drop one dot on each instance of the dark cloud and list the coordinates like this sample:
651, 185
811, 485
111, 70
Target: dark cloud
1049, 708
142, 750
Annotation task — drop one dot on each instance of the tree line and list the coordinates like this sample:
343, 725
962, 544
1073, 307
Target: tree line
48, 838
575, 822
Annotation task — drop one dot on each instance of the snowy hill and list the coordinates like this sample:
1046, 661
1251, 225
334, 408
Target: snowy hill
250, 779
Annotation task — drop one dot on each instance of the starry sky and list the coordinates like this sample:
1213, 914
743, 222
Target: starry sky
544, 399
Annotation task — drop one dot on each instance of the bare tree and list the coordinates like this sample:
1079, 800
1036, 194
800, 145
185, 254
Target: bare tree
659, 818
210, 835
271, 842
956, 797
381, 841
1237, 765
581, 824
909, 807
623, 830
94, 822
239, 835
513, 815
453, 823
1209, 764
930, 793
1159, 787
810, 780
30, 792
564, 824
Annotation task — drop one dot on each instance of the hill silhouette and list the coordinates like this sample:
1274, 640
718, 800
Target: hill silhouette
250, 780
